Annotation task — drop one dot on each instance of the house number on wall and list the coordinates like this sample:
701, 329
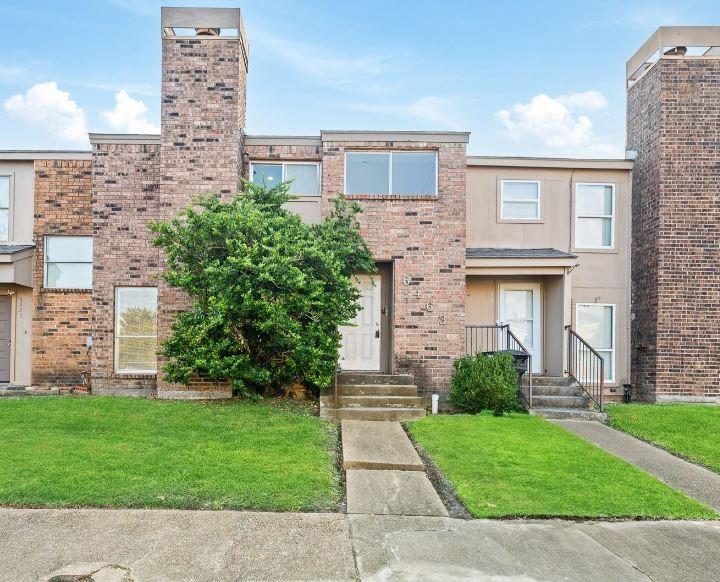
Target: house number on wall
429, 307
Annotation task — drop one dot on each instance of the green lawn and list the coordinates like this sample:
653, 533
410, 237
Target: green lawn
522, 466
691, 431
105, 451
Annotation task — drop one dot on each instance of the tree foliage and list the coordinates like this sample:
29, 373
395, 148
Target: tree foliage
484, 382
267, 290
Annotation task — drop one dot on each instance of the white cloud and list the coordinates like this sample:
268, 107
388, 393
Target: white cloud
557, 123
46, 105
129, 115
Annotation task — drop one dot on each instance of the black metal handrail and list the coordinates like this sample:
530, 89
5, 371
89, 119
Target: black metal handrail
587, 367
498, 337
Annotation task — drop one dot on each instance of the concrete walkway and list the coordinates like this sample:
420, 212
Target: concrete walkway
220, 546
384, 475
695, 481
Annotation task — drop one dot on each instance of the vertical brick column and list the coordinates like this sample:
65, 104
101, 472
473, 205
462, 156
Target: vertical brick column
203, 116
61, 317
424, 239
674, 125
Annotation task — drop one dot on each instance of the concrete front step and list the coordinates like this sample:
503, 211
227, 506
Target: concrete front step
380, 401
542, 390
559, 401
552, 381
569, 414
377, 390
372, 414
353, 378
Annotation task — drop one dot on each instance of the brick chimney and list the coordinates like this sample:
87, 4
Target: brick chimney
204, 78
673, 123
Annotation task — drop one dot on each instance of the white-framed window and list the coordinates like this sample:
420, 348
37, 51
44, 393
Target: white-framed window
5, 187
520, 199
391, 172
595, 323
68, 262
594, 215
304, 177
136, 330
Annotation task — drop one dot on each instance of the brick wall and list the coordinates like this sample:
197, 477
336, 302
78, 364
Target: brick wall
424, 238
125, 198
203, 116
61, 318
673, 121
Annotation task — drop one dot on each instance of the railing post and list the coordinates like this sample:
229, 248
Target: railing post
602, 385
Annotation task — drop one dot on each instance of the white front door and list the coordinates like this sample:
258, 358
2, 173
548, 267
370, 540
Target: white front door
361, 341
519, 307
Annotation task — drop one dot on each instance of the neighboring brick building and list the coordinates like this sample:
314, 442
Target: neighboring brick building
674, 126
461, 242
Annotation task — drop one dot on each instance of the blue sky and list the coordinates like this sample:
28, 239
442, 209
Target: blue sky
525, 77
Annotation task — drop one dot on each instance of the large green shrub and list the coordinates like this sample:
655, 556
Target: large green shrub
484, 382
267, 291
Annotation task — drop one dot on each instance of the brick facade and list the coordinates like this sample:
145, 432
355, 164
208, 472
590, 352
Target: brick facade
424, 238
203, 118
673, 121
125, 198
62, 319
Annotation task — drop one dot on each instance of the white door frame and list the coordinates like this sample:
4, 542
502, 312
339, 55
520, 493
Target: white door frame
364, 334
536, 288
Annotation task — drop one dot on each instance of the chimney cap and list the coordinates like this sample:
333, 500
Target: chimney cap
206, 18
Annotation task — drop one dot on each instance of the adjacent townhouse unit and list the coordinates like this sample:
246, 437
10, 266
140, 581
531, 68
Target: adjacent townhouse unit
474, 252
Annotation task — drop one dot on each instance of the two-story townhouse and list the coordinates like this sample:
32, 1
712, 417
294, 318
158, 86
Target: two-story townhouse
465, 245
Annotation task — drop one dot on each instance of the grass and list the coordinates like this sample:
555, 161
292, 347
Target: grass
126, 452
524, 466
691, 431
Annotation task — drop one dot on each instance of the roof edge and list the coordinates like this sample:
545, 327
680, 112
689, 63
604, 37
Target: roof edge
400, 136
32, 155
536, 162
126, 138
272, 140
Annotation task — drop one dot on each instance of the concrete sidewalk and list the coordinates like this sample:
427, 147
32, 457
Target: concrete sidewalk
693, 480
218, 546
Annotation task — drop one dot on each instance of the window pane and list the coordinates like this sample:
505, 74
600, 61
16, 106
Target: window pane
594, 200
4, 224
137, 354
588, 366
69, 276
69, 249
593, 232
520, 210
136, 328
367, 173
304, 179
4, 191
518, 304
267, 174
413, 173
523, 330
520, 190
595, 325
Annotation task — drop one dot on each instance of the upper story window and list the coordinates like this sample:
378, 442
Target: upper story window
4, 208
594, 216
304, 177
520, 199
68, 262
409, 173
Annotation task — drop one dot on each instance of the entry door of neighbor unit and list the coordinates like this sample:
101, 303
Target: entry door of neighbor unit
4, 339
361, 341
519, 307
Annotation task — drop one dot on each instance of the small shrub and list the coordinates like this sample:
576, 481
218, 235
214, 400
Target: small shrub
484, 382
